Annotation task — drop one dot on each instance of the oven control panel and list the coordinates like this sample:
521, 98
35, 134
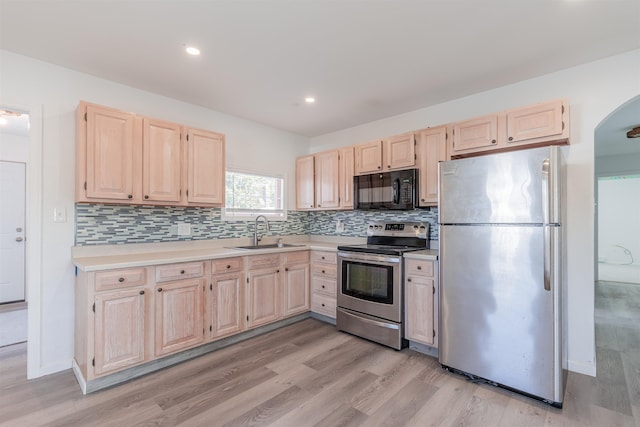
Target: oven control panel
398, 229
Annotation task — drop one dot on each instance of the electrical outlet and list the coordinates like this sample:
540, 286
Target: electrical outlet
184, 229
339, 226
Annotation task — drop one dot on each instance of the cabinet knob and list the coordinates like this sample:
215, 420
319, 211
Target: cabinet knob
181, 271
379, 167
422, 200
286, 269
146, 196
322, 286
323, 304
278, 271
510, 138
159, 289
121, 279
388, 166
322, 271
322, 257
141, 292
130, 196
493, 141
228, 266
311, 206
419, 267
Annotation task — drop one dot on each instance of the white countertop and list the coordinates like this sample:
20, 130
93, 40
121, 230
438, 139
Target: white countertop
125, 256
428, 254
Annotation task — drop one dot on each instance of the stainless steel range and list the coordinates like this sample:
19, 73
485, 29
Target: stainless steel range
370, 277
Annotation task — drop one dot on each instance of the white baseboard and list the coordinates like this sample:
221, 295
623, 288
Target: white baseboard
79, 377
582, 368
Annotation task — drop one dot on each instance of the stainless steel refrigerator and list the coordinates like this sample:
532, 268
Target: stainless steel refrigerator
501, 270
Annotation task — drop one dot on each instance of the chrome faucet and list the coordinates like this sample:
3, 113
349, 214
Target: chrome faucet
256, 238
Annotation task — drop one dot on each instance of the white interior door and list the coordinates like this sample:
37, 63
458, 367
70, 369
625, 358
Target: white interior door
12, 234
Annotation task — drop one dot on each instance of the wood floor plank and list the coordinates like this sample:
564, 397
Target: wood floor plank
308, 373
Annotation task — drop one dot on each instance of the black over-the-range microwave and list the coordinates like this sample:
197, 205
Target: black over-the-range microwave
386, 190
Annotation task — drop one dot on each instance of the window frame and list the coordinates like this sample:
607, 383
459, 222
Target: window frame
242, 215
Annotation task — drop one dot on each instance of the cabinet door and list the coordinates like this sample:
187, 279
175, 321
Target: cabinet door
110, 154
179, 318
119, 330
432, 149
205, 168
161, 161
420, 310
346, 172
475, 135
400, 152
538, 122
327, 179
264, 297
368, 157
305, 188
227, 305
296, 289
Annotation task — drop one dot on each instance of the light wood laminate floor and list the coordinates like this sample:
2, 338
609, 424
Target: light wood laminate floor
308, 374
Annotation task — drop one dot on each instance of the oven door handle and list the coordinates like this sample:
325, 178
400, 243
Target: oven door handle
369, 319
360, 256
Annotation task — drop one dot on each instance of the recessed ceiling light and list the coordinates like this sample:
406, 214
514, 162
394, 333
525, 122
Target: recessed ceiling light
309, 100
193, 50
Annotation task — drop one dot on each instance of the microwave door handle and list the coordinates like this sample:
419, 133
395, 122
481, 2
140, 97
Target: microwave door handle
396, 191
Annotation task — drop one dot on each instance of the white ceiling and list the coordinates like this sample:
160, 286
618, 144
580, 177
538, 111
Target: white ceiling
362, 60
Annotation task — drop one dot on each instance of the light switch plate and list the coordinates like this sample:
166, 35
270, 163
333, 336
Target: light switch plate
59, 215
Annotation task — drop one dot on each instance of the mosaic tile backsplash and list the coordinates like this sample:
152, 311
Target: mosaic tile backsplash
98, 224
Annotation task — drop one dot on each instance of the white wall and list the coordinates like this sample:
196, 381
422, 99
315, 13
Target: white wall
594, 91
619, 221
14, 148
56, 91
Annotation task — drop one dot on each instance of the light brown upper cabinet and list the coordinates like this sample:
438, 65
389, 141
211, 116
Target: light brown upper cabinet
129, 159
325, 180
431, 149
109, 153
205, 168
536, 125
396, 152
161, 161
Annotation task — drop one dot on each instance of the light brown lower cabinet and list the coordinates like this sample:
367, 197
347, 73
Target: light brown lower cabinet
178, 309
421, 284
119, 329
324, 282
126, 317
295, 283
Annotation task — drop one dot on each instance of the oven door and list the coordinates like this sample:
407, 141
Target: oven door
370, 284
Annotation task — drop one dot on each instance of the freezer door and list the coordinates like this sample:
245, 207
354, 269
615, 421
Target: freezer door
516, 187
497, 319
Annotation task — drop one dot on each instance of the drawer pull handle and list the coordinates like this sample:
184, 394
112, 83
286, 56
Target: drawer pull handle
121, 279
159, 289
181, 271
141, 292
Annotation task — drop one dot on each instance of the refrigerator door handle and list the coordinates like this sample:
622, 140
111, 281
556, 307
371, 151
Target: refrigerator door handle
546, 217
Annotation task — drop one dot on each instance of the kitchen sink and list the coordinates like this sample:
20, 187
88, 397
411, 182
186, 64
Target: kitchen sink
270, 246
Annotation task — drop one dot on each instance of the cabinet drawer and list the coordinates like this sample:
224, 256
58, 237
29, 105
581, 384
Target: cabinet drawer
324, 305
114, 279
301, 257
264, 261
324, 270
185, 270
227, 265
416, 267
322, 256
324, 285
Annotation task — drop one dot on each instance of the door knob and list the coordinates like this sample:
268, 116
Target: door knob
19, 239
18, 229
